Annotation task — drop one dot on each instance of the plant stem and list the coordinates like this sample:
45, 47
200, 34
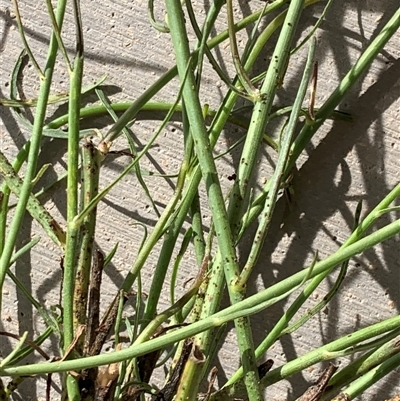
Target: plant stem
73, 227
250, 305
91, 159
359, 68
328, 107
356, 235
240, 71
260, 115
214, 291
191, 201
364, 364
368, 379
36, 139
276, 179
214, 192
25, 42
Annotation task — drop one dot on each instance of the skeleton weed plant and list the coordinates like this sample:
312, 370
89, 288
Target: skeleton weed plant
195, 320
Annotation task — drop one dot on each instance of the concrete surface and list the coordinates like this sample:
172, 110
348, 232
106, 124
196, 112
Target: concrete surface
347, 162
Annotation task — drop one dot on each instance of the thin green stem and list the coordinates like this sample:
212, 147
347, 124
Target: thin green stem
104, 147
132, 147
203, 48
276, 180
328, 107
168, 246
73, 234
213, 188
56, 98
157, 25
260, 115
343, 346
356, 235
213, 293
364, 364
27, 350
14, 352
240, 70
57, 33
5, 190
25, 42
359, 68
314, 28
34, 207
250, 305
370, 378
36, 139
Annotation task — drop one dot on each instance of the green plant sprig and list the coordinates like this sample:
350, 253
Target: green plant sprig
25, 42
34, 207
132, 147
251, 91
359, 68
5, 190
71, 316
277, 177
371, 377
35, 140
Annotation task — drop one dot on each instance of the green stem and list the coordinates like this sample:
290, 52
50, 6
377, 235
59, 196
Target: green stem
34, 207
36, 139
213, 188
14, 352
240, 70
260, 115
129, 136
276, 180
57, 32
73, 228
250, 305
359, 68
214, 291
168, 246
364, 364
163, 220
5, 190
344, 346
25, 42
370, 378
328, 107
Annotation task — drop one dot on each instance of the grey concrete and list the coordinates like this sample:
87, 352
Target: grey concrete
346, 162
